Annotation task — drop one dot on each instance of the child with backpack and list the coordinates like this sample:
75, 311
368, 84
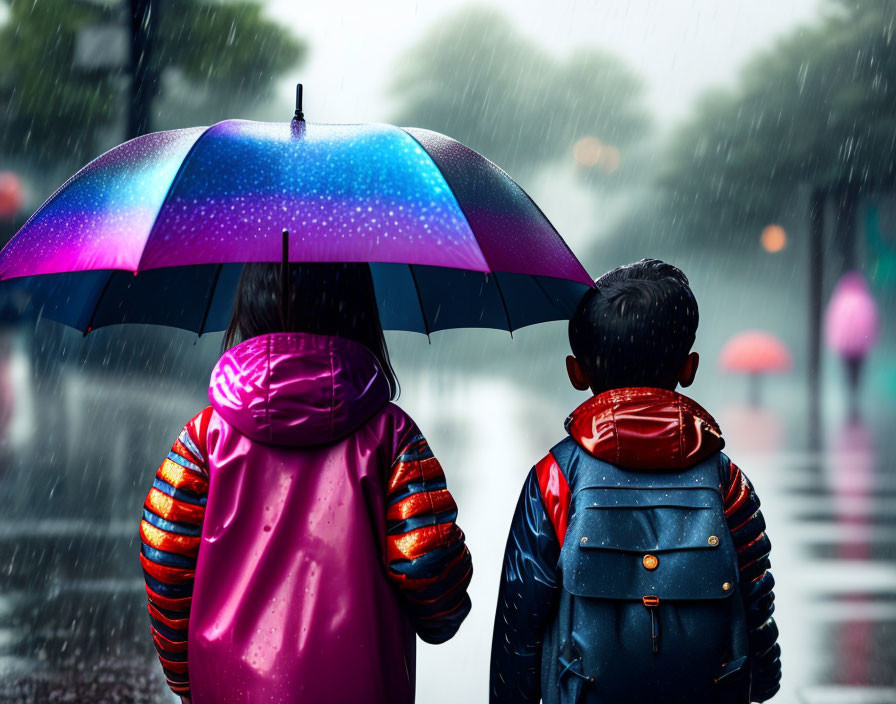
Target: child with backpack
637, 566
300, 531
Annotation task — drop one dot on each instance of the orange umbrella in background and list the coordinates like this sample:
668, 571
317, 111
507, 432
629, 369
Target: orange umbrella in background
755, 352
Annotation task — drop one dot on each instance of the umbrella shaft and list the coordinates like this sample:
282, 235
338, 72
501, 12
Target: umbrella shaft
284, 283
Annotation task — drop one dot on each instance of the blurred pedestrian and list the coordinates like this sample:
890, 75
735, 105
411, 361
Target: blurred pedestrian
637, 564
300, 530
852, 326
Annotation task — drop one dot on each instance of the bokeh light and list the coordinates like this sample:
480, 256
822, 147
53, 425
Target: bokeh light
12, 197
587, 152
590, 152
773, 238
610, 159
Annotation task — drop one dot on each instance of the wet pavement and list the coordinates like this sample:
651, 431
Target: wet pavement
72, 621
72, 628
833, 523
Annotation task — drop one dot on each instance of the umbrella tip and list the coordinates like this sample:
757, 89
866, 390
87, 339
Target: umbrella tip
299, 114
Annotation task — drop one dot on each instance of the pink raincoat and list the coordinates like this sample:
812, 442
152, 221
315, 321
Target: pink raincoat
320, 531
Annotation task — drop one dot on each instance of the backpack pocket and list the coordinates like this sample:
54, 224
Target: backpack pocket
650, 573
627, 544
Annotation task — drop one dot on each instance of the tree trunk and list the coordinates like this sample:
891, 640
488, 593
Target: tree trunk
816, 283
847, 227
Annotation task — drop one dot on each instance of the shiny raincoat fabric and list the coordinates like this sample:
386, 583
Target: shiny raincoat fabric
639, 431
290, 602
299, 593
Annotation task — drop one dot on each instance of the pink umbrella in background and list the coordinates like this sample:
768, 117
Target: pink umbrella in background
755, 352
851, 328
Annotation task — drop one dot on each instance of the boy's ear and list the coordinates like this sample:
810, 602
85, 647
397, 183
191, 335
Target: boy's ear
689, 370
577, 375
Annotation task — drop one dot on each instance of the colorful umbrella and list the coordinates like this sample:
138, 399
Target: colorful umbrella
157, 229
755, 352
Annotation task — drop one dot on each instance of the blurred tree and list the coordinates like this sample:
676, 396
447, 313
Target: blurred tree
818, 110
477, 79
212, 56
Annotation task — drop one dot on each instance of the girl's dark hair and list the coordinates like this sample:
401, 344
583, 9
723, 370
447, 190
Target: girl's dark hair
325, 299
635, 327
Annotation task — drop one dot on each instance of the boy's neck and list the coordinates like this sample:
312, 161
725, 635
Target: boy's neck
596, 392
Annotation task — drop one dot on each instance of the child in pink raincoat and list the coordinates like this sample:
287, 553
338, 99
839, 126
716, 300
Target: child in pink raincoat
300, 533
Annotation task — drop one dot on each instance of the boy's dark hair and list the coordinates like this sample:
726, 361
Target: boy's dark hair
636, 327
325, 299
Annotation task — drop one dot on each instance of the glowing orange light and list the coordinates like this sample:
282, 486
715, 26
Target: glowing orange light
587, 152
773, 238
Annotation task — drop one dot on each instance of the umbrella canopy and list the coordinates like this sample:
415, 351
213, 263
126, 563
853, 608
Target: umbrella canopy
755, 352
157, 229
851, 321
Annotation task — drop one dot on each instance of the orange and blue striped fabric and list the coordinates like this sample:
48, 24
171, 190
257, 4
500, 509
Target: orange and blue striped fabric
427, 558
170, 533
747, 526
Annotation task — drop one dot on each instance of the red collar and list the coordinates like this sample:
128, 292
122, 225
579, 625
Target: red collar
645, 428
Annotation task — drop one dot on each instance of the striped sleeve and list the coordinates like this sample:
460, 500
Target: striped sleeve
427, 559
169, 544
747, 528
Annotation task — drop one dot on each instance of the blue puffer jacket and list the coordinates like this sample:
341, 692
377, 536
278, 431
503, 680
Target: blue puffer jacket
641, 431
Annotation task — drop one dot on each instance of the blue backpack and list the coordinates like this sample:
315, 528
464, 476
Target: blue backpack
651, 608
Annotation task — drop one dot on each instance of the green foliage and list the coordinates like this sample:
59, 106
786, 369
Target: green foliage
44, 105
221, 54
226, 46
818, 110
477, 79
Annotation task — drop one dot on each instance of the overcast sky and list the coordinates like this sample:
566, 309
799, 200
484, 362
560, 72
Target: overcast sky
680, 47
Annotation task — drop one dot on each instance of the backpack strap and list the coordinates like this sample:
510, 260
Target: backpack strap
554, 486
554, 494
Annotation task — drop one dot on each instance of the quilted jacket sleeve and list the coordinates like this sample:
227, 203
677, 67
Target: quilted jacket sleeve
747, 528
428, 560
170, 533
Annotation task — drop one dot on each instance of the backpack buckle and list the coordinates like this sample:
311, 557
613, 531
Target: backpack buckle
652, 602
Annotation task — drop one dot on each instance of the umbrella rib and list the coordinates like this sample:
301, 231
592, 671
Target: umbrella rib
453, 195
211, 295
503, 303
515, 186
177, 177
542, 289
419, 301
96, 305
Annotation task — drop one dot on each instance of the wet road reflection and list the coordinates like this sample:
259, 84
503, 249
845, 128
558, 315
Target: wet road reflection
833, 523
72, 620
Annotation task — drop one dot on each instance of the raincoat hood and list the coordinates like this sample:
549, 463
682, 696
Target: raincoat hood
297, 389
645, 428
